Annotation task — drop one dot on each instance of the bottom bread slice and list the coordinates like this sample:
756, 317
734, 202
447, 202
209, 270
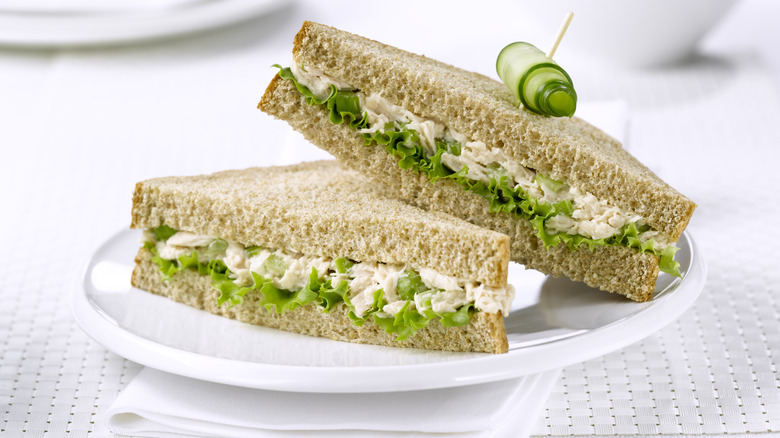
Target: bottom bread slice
484, 333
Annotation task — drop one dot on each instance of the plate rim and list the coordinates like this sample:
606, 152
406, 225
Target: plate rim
473, 369
90, 30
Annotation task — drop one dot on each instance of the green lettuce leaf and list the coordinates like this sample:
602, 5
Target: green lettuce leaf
169, 267
311, 99
376, 306
403, 324
409, 285
344, 105
343, 265
406, 145
667, 263
408, 320
285, 301
233, 294
230, 292
459, 317
550, 183
329, 297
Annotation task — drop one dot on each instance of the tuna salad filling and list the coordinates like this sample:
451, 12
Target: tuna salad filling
560, 213
399, 298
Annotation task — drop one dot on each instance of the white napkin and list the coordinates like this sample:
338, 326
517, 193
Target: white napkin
158, 404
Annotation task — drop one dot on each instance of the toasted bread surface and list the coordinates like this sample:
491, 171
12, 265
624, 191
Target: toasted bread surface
484, 333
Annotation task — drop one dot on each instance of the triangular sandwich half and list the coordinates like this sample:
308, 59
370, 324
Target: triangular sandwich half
572, 200
314, 249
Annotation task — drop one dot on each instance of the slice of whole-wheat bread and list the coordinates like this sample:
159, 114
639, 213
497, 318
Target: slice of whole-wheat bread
484, 333
320, 209
568, 150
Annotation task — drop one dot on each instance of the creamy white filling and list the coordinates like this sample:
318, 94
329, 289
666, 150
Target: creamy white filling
591, 217
318, 83
364, 279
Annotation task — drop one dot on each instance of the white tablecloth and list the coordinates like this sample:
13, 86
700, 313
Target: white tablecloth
80, 127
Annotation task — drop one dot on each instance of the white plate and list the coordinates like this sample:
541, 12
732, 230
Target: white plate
38, 28
555, 322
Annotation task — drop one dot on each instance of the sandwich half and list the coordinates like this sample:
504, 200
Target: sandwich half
313, 249
572, 200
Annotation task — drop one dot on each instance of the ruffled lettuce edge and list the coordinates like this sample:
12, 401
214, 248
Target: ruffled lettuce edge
320, 291
406, 145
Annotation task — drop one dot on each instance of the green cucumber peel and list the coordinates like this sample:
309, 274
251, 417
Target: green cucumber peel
536, 81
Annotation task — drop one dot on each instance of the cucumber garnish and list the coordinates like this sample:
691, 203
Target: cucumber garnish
536, 81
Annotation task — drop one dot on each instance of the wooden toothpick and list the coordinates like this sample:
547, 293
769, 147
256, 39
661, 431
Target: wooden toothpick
561, 31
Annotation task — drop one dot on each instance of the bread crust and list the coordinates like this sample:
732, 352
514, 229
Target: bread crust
611, 268
484, 333
569, 150
321, 209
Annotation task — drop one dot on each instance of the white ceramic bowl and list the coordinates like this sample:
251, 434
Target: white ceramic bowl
636, 33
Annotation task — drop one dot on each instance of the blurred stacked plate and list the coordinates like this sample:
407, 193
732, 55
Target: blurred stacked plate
73, 23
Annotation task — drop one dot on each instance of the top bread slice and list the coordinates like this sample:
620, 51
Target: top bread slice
321, 209
568, 150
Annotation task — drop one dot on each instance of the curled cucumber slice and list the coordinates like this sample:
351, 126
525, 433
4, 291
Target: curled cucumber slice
537, 81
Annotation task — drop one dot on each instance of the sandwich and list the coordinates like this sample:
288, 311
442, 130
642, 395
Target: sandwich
312, 249
572, 200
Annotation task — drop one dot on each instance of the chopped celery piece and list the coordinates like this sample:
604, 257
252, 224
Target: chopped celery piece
253, 250
275, 264
343, 265
216, 247
163, 232
550, 183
